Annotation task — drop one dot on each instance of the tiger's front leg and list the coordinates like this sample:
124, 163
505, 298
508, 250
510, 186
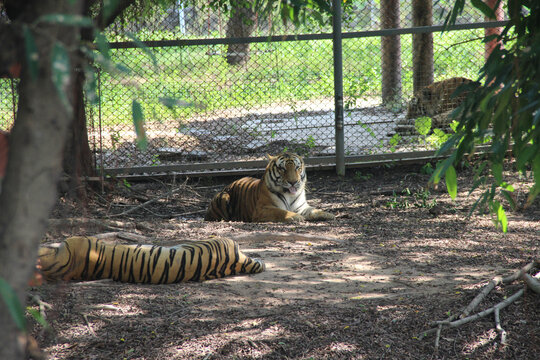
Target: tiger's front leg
312, 214
275, 214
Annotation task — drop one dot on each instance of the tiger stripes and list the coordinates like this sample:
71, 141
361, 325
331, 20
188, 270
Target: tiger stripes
87, 258
278, 197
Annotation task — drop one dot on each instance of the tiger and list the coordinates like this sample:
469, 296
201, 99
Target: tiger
278, 197
87, 258
437, 98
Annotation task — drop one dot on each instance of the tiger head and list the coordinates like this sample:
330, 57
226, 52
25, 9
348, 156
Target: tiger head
438, 97
421, 104
285, 173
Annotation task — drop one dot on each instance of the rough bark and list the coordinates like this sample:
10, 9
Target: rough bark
78, 161
34, 161
422, 45
391, 53
240, 24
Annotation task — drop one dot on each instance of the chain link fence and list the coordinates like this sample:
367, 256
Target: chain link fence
211, 101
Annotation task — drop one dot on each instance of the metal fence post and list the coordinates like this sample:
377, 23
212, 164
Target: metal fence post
338, 87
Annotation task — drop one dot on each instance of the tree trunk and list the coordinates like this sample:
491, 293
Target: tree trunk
391, 53
240, 24
78, 160
422, 45
34, 161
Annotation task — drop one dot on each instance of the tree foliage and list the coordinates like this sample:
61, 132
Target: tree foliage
502, 111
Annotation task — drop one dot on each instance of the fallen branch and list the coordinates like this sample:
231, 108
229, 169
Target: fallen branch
492, 284
151, 201
530, 281
92, 332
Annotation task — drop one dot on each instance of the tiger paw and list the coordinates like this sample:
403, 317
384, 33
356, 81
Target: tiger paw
293, 217
320, 215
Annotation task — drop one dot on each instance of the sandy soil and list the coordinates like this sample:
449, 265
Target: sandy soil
363, 286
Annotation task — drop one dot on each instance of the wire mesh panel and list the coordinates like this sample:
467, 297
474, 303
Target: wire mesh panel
8, 103
239, 102
215, 90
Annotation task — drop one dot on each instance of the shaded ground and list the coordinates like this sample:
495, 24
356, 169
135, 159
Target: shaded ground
363, 286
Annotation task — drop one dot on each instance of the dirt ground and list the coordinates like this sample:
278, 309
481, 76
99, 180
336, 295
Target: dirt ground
363, 286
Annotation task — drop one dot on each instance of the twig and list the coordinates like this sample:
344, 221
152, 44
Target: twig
189, 213
498, 326
143, 205
89, 326
532, 283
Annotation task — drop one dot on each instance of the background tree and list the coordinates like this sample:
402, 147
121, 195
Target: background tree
390, 53
422, 15
241, 24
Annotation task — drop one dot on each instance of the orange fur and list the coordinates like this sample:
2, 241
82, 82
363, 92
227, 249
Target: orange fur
278, 197
437, 98
86, 258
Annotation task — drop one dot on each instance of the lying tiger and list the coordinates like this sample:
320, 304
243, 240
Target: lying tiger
437, 98
278, 197
87, 258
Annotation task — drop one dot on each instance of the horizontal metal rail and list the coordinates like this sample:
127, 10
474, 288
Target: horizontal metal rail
251, 166
304, 37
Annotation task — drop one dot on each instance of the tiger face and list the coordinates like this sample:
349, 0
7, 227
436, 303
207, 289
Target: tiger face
437, 98
286, 173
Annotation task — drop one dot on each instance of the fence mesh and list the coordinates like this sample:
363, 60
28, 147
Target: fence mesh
238, 102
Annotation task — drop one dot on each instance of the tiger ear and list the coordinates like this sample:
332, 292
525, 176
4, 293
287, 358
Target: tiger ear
270, 157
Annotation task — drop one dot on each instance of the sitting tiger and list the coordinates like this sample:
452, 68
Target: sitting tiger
278, 197
437, 98
87, 258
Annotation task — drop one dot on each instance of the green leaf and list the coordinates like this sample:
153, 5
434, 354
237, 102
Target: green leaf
536, 169
144, 48
440, 170
38, 317
60, 72
497, 170
422, 125
138, 121
480, 201
501, 217
485, 9
109, 6
394, 140
525, 155
69, 20
508, 196
90, 85
451, 182
103, 45
32, 55
13, 304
